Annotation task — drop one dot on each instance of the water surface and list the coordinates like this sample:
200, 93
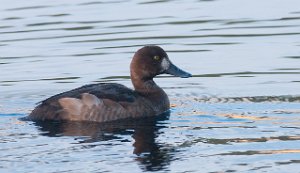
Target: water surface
240, 112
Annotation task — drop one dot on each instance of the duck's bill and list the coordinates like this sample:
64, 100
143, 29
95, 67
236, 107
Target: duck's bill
173, 70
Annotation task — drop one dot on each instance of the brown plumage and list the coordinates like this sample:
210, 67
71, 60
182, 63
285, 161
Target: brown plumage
110, 101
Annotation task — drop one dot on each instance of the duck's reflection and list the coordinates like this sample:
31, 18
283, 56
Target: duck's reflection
150, 155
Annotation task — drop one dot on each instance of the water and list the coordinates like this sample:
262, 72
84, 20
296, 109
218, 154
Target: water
239, 113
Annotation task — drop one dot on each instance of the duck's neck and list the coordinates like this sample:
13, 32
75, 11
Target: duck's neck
145, 86
152, 92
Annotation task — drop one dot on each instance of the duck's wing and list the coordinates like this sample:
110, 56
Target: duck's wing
112, 91
86, 103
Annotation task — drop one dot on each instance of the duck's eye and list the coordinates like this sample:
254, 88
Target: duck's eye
156, 58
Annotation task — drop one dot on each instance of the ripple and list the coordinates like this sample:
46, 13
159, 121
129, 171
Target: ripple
5, 27
288, 69
293, 57
244, 73
184, 51
255, 99
288, 162
243, 21
256, 152
43, 79
214, 44
18, 57
162, 37
289, 18
101, 2
28, 8
56, 15
126, 46
154, 2
185, 22
248, 27
89, 54
79, 28
46, 23
64, 36
12, 18
242, 140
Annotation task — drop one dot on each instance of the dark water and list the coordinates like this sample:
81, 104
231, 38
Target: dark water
239, 113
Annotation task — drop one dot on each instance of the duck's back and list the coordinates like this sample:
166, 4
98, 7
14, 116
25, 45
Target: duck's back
113, 91
96, 102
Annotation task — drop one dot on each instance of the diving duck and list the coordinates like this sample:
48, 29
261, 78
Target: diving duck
105, 102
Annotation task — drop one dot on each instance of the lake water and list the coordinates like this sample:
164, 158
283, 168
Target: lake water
240, 112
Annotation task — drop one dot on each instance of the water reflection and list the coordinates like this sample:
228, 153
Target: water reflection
150, 155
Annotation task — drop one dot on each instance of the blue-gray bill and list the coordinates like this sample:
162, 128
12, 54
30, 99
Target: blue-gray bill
174, 70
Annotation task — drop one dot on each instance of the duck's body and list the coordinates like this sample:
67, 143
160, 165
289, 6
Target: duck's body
101, 102
110, 101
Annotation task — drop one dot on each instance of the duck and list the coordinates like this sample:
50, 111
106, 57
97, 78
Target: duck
105, 102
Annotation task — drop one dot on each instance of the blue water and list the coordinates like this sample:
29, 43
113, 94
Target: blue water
240, 111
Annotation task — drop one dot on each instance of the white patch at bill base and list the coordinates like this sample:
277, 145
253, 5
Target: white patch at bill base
165, 64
